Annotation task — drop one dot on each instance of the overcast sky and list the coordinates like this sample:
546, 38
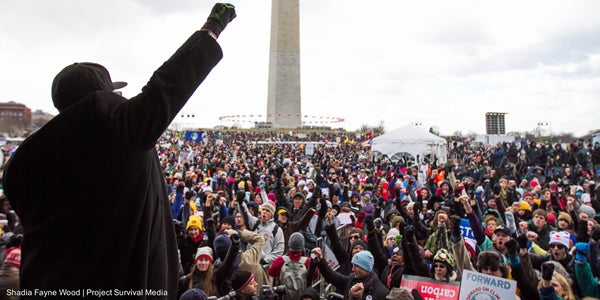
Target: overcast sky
438, 63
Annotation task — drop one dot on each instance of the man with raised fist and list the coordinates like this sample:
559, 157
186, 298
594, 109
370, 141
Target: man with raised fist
88, 186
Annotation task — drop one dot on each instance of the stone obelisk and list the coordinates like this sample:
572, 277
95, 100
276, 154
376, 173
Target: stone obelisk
283, 103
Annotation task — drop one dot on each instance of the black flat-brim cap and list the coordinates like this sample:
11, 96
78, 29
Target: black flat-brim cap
79, 79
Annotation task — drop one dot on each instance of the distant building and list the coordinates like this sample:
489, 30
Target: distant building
14, 117
494, 123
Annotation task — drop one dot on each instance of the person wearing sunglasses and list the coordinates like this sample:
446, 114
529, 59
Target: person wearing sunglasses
558, 250
443, 266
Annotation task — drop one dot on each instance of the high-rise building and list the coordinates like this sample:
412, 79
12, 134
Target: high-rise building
494, 123
283, 103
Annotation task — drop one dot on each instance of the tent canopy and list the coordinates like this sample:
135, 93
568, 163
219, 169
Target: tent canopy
408, 141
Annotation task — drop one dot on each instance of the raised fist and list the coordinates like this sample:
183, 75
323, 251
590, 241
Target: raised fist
522, 240
240, 196
511, 247
455, 220
220, 16
547, 271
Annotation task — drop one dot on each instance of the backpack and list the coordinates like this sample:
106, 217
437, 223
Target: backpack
293, 276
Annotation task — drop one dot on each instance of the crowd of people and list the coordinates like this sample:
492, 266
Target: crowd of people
138, 211
248, 216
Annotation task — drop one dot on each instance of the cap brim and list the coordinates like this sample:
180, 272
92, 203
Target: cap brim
119, 85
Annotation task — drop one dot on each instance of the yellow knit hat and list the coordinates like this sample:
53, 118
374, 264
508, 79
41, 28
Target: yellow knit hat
525, 206
195, 221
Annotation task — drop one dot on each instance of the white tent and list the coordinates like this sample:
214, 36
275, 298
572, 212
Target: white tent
409, 141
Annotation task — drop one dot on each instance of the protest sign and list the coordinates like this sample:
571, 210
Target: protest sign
431, 289
345, 218
475, 286
467, 233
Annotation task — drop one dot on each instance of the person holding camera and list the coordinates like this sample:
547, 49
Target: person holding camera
112, 228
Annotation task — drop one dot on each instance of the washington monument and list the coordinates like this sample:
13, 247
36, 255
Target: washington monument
283, 102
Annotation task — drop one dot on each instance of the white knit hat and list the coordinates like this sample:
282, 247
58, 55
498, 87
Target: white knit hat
392, 233
561, 237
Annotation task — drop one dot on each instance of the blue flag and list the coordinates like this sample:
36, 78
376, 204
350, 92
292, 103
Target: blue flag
194, 136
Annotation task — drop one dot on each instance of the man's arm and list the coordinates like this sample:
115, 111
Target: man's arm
141, 120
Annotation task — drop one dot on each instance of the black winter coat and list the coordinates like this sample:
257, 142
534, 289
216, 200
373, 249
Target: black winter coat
89, 189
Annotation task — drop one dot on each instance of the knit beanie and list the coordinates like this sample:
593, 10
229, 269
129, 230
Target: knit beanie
269, 207
296, 242
363, 260
565, 216
221, 246
359, 242
193, 294
392, 233
588, 210
444, 256
228, 220
560, 237
240, 279
525, 206
204, 252
195, 221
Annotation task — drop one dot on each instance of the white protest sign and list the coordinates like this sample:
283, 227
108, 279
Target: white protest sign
345, 218
310, 149
475, 286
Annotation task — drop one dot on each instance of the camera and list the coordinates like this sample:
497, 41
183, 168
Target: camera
272, 292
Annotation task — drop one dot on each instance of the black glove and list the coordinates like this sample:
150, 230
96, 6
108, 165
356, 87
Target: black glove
240, 197
220, 16
547, 271
455, 225
523, 241
511, 247
369, 223
596, 233
417, 208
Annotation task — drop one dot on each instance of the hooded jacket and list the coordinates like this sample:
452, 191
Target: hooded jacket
103, 147
274, 244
